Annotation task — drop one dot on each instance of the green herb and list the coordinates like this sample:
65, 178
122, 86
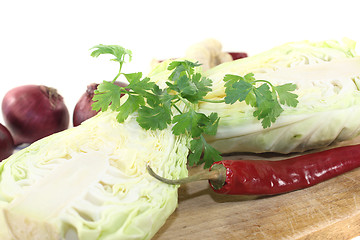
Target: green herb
265, 100
158, 108
119, 52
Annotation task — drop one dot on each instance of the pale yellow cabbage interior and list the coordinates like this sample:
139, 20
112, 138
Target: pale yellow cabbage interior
327, 76
90, 182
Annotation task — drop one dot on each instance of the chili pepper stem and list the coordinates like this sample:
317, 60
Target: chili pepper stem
216, 176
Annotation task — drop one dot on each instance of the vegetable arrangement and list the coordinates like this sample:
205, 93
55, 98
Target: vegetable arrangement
180, 114
157, 107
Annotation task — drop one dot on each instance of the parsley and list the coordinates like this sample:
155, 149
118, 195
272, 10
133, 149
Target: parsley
119, 52
158, 108
266, 101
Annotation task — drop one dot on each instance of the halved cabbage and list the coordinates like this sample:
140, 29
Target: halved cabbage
90, 182
327, 76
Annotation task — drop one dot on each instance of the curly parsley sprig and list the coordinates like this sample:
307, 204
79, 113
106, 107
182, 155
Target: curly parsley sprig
158, 108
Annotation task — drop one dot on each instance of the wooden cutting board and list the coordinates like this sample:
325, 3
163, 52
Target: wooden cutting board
329, 210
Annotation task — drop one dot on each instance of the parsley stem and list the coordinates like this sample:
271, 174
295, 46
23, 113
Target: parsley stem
213, 101
177, 109
116, 77
124, 91
264, 81
184, 101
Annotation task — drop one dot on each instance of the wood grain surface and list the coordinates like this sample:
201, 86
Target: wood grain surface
329, 210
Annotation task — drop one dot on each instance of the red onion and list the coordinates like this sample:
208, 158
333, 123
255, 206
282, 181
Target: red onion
6, 143
32, 112
238, 55
83, 109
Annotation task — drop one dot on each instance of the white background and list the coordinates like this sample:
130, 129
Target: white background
48, 42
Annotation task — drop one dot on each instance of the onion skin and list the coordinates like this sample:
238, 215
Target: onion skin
32, 112
6, 143
83, 109
238, 55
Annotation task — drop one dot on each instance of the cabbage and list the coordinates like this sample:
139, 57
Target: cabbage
327, 76
90, 182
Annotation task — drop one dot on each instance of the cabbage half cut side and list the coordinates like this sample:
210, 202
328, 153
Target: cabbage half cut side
90, 182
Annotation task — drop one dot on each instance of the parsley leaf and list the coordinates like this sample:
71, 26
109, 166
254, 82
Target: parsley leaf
285, 96
191, 86
199, 87
163, 97
138, 85
265, 100
157, 117
240, 88
115, 50
191, 122
211, 124
211, 155
196, 149
199, 146
119, 52
195, 123
267, 111
131, 105
181, 68
237, 91
107, 94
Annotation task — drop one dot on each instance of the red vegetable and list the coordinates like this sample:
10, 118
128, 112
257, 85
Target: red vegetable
254, 177
238, 55
83, 109
262, 177
6, 143
32, 112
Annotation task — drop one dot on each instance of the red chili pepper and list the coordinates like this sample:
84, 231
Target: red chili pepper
259, 177
263, 177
